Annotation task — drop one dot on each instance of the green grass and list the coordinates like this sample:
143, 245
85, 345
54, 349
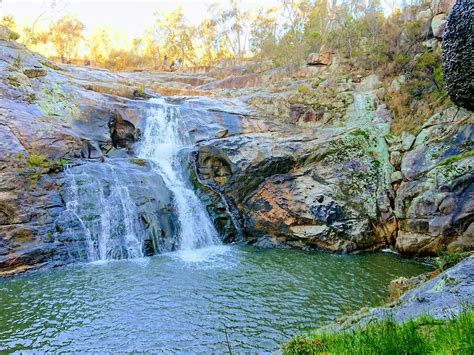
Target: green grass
456, 158
423, 336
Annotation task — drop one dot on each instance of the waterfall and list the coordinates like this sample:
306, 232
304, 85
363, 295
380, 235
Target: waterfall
99, 207
165, 140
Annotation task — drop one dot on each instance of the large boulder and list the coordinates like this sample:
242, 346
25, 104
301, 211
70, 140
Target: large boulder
442, 297
458, 52
328, 191
322, 58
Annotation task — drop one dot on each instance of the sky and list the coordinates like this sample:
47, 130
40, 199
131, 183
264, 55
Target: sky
125, 16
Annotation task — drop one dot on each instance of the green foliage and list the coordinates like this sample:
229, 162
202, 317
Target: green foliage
450, 258
422, 336
38, 161
456, 158
304, 90
140, 89
35, 164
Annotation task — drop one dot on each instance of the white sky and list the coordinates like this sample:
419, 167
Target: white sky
126, 16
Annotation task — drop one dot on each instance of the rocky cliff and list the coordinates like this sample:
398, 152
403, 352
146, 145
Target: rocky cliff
271, 169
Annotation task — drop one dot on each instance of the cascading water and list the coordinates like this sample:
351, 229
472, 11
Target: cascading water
165, 139
102, 210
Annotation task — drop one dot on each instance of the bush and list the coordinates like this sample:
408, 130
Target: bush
449, 259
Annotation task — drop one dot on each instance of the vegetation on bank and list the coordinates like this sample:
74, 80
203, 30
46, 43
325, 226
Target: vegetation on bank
422, 336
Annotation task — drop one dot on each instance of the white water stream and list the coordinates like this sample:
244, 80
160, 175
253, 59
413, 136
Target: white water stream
164, 138
100, 208
116, 234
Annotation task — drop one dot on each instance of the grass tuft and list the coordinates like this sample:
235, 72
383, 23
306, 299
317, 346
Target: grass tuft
423, 336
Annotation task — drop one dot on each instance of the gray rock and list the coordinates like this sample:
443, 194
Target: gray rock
458, 53
396, 177
407, 141
438, 24
396, 159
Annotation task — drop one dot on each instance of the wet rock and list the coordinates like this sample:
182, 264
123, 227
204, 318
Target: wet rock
122, 132
458, 53
91, 150
132, 196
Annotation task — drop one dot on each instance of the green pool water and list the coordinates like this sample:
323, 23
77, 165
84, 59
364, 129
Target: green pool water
182, 302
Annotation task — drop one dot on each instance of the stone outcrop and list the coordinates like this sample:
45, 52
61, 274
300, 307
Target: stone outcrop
438, 25
458, 52
434, 202
294, 188
321, 58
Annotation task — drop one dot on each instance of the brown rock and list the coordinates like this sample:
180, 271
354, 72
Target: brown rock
321, 58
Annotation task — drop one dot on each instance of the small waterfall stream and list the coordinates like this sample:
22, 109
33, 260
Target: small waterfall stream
105, 213
164, 141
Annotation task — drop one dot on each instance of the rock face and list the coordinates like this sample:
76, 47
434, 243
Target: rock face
434, 202
312, 167
438, 25
328, 191
49, 121
458, 52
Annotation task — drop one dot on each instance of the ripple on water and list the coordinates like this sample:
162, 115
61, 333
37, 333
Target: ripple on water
182, 301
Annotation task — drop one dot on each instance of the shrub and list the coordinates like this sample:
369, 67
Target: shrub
449, 259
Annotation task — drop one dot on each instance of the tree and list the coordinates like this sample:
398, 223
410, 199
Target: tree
317, 26
263, 40
208, 40
99, 46
65, 35
176, 35
9, 22
232, 27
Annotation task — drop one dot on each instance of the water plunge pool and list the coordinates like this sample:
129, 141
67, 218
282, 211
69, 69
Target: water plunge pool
181, 302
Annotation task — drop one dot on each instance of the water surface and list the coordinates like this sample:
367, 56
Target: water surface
181, 302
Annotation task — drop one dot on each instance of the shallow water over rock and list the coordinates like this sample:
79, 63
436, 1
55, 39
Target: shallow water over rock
182, 301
